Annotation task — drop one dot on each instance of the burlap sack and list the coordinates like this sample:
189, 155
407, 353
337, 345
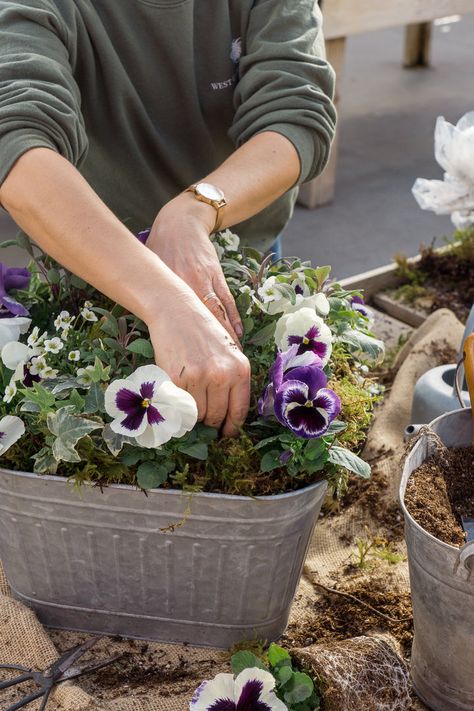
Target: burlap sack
23, 640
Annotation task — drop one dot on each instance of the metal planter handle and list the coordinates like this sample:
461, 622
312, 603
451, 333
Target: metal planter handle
465, 559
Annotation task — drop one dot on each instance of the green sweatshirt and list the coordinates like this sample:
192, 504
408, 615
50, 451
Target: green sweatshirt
146, 97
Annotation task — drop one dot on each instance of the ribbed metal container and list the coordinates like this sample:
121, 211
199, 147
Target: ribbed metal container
442, 589
207, 569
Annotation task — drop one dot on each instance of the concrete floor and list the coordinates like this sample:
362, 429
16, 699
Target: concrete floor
387, 122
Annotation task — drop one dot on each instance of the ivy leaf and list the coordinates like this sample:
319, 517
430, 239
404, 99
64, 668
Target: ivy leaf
100, 371
68, 430
141, 346
245, 660
94, 401
270, 460
40, 396
115, 443
198, 450
151, 475
62, 385
77, 401
45, 463
362, 343
344, 458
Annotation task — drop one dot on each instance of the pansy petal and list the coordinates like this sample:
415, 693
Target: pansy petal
14, 353
111, 394
267, 680
291, 392
182, 401
329, 401
148, 374
313, 376
221, 687
307, 422
11, 429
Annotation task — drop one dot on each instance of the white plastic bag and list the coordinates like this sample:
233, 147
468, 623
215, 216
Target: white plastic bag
454, 151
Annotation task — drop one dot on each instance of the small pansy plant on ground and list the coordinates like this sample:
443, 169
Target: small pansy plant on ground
256, 684
78, 378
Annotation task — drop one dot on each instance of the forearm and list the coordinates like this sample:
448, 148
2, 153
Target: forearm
51, 202
253, 177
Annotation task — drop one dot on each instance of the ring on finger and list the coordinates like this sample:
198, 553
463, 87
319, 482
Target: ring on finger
214, 299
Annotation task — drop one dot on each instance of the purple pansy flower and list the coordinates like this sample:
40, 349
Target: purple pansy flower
281, 370
251, 690
306, 330
149, 407
12, 278
305, 405
358, 304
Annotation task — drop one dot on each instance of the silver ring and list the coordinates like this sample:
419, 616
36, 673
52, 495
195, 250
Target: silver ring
208, 297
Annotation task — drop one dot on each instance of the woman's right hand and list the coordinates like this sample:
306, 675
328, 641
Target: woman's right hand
201, 357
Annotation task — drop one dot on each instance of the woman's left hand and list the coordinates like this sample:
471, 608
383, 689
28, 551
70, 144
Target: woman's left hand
180, 237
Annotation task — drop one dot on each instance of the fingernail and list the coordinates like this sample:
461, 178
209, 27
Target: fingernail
239, 330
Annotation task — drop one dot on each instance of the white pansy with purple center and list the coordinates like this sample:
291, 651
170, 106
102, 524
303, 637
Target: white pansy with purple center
149, 407
251, 690
306, 330
305, 405
11, 429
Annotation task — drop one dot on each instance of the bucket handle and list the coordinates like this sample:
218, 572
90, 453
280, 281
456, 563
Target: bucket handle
465, 558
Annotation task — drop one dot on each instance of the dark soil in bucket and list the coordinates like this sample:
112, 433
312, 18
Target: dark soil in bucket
440, 491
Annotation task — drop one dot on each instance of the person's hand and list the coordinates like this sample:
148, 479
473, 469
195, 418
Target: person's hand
201, 357
180, 237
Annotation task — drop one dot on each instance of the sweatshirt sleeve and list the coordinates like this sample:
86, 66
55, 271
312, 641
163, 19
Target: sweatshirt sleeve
39, 98
285, 84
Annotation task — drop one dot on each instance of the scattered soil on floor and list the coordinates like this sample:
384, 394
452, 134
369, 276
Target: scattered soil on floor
440, 491
337, 617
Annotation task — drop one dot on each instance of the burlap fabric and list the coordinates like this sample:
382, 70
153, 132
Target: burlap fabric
23, 640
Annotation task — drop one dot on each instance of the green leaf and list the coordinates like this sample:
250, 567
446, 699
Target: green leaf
362, 343
151, 475
94, 401
24, 242
315, 448
100, 372
54, 276
321, 274
344, 458
114, 345
131, 456
78, 282
300, 688
277, 654
267, 440
40, 396
76, 400
45, 463
198, 450
141, 346
264, 335
284, 674
115, 442
336, 427
110, 326
205, 433
245, 660
68, 430
8, 243
270, 460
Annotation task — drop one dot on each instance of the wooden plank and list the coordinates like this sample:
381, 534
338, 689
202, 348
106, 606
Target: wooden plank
320, 191
374, 280
417, 45
347, 17
400, 311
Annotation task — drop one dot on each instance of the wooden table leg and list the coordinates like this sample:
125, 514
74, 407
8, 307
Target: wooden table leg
320, 191
417, 45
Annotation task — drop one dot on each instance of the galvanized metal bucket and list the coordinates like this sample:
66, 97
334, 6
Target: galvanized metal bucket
207, 569
442, 589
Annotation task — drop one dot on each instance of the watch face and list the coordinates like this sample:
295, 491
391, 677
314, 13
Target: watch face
209, 191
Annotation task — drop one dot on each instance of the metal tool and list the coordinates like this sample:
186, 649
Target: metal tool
61, 670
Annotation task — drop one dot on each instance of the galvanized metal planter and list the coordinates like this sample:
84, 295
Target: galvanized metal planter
207, 569
442, 589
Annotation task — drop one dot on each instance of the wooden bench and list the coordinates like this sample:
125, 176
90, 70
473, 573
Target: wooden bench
343, 18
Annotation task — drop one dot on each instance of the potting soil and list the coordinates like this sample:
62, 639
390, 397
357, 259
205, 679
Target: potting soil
357, 555
440, 491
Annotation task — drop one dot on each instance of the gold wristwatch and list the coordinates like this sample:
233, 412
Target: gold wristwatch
205, 192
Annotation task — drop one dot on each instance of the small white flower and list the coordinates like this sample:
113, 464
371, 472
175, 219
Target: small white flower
267, 291
307, 330
149, 407
251, 685
49, 373
63, 320
229, 240
87, 314
88, 304
10, 392
35, 339
11, 429
38, 365
65, 334
246, 290
53, 345
74, 355
83, 375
